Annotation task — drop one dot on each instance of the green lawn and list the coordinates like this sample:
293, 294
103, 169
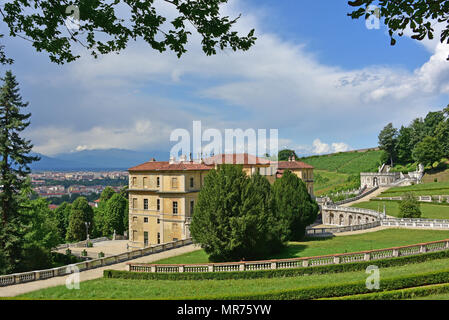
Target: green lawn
188, 289
423, 189
341, 244
428, 210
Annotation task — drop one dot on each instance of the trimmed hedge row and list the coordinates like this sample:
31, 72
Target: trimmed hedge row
333, 268
346, 289
402, 294
399, 201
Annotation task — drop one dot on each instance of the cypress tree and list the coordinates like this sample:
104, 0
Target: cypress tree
14, 161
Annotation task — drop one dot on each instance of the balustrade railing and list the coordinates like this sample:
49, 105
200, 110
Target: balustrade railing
295, 262
16, 278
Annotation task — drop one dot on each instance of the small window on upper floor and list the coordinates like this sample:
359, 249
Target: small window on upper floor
145, 204
192, 182
175, 207
174, 183
133, 181
158, 182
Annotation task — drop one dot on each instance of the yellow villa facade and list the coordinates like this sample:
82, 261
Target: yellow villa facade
162, 194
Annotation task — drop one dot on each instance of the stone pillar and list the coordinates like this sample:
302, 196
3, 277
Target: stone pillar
423, 249
181, 269
305, 263
242, 267
274, 266
153, 268
210, 268
367, 256
336, 260
395, 252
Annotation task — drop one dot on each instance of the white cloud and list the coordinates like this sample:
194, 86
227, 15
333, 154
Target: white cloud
277, 84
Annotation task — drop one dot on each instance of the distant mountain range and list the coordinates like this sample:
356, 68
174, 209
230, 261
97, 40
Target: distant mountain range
104, 159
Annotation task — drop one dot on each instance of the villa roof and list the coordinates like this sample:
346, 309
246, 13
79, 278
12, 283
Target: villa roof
293, 165
236, 158
166, 166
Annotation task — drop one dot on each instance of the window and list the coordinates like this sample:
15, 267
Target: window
158, 238
145, 238
192, 204
134, 219
158, 204
145, 182
134, 203
158, 182
175, 207
158, 221
145, 220
134, 235
175, 239
174, 183
145, 204
191, 182
134, 181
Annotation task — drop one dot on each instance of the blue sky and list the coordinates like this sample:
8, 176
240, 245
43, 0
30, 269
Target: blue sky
327, 82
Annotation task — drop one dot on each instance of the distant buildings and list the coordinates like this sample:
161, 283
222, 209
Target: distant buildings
162, 194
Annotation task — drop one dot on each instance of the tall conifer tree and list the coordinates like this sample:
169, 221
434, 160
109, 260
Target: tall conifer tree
14, 160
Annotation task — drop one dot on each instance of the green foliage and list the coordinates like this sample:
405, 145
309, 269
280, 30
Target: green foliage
427, 151
80, 213
233, 217
293, 205
403, 15
278, 273
409, 207
387, 141
114, 215
62, 214
285, 154
105, 27
14, 161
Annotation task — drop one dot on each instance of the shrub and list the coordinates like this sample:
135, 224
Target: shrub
68, 252
101, 255
90, 244
409, 207
84, 253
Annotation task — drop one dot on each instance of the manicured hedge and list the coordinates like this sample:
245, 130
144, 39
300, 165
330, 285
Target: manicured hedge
402, 294
333, 268
346, 289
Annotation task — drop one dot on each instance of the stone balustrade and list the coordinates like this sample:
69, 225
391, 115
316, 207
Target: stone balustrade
416, 223
294, 262
323, 232
16, 278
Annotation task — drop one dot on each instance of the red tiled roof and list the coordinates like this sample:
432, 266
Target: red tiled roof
208, 164
239, 158
293, 165
166, 166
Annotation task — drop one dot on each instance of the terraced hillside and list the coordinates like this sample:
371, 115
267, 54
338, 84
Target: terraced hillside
341, 171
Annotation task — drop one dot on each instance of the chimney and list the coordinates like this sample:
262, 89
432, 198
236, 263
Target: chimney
152, 160
183, 158
172, 160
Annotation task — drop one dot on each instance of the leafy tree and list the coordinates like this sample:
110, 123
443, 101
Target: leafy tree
233, 217
114, 215
409, 207
106, 194
431, 122
387, 141
77, 227
402, 15
42, 236
108, 26
403, 145
442, 136
294, 205
14, 161
81, 212
418, 132
62, 214
283, 155
427, 151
